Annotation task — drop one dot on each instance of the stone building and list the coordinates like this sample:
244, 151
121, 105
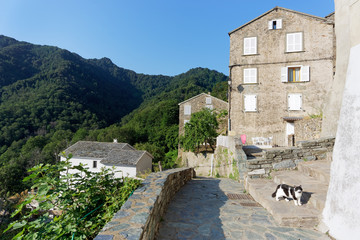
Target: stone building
280, 66
196, 104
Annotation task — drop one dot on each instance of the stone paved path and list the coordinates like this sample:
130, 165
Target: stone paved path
202, 210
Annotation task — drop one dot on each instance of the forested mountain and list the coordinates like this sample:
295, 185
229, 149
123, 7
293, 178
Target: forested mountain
51, 98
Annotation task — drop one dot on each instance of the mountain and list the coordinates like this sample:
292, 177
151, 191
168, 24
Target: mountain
50, 98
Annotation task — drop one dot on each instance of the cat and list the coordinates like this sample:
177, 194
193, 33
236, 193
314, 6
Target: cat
289, 193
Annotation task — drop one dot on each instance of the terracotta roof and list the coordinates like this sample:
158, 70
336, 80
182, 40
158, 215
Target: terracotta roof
274, 9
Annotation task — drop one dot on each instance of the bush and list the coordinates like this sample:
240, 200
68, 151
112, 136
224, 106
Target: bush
85, 200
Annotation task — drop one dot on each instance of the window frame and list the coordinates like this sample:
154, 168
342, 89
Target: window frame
250, 50
208, 100
245, 103
278, 24
304, 74
187, 110
293, 44
248, 75
289, 102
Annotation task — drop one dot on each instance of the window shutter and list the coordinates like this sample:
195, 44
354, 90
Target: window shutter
254, 45
187, 110
305, 74
289, 42
294, 101
208, 100
284, 72
250, 45
250, 103
270, 24
250, 75
246, 46
298, 42
186, 121
278, 23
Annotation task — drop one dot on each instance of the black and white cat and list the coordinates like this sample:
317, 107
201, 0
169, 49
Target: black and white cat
289, 193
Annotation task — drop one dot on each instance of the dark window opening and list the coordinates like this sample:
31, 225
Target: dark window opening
274, 24
94, 164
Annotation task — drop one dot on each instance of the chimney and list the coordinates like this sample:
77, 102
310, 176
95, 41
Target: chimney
115, 140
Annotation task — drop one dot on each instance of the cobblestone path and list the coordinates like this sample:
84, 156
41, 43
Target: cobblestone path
214, 208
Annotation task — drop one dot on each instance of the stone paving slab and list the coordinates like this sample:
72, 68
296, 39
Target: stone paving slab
202, 210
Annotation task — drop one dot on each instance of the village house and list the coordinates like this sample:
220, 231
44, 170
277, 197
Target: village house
281, 65
95, 155
198, 103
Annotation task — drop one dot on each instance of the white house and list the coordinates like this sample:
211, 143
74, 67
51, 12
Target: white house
122, 156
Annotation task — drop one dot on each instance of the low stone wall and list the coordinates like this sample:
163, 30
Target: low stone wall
140, 216
289, 157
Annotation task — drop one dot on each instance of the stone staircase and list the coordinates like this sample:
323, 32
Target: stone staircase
312, 176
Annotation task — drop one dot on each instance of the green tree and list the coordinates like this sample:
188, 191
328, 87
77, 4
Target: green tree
200, 130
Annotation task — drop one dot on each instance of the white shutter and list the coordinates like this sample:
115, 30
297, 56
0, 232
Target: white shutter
246, 46
294, 101
289, 42
254, 45
278, 23
208, 100
250, 45
250, 103
305, 74
284, 76
294, 42
186, 121
270, 24
298, 42
250, 75
187, 110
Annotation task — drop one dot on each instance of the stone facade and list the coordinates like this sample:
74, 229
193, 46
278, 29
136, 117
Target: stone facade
140, 216
289, 157
196, 104
308, 129
270, 88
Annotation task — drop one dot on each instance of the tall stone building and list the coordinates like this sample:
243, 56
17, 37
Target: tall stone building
281, 64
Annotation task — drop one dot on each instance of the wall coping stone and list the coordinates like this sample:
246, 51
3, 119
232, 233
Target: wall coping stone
140, 216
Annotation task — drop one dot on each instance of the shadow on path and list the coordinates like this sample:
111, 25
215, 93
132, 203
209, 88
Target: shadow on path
194, 213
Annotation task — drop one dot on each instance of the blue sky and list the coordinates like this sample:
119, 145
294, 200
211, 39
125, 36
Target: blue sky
165, 37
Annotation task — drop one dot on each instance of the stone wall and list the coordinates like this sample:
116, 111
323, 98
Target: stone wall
140, 215
289, 157
308, 129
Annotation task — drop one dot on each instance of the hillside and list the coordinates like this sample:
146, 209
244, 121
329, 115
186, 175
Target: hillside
51, 98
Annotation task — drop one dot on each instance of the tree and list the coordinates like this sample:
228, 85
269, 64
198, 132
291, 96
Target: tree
200, 130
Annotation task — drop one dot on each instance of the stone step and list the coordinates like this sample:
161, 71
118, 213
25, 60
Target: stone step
314, 190
317, 169
284, 213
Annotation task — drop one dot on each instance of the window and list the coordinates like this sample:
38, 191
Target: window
275, 24
250, 45
294, 42
295, 74
187, 110
250, 102
250, 75
186, 121
94, 164
294, 101
208, 100
210, 107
